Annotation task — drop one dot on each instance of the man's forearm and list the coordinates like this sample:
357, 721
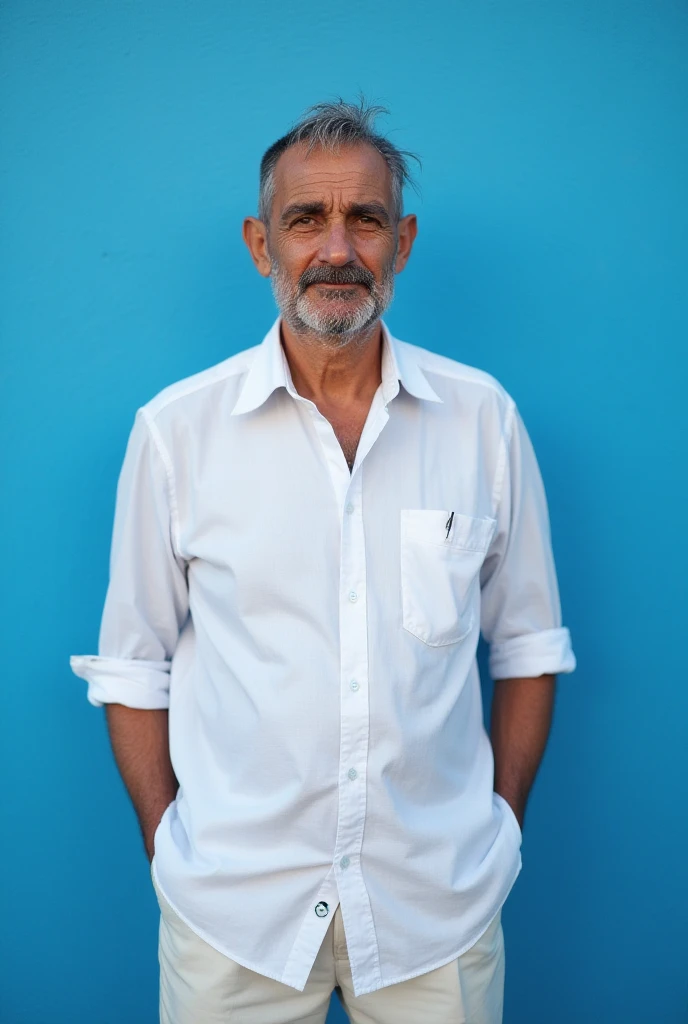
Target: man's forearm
520, 723
140, 743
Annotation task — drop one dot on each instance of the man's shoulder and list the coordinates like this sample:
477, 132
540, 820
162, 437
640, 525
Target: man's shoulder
198, 385
459, 376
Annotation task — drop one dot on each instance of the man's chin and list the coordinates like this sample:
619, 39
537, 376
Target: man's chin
338, 326
336, 322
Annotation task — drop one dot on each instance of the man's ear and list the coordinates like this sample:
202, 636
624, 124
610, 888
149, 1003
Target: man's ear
407, 229
256, 237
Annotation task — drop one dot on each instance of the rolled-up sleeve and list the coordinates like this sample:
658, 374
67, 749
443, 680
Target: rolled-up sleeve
147, 598
520, 606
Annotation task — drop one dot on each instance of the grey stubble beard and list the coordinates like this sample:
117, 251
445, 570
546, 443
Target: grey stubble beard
332, 331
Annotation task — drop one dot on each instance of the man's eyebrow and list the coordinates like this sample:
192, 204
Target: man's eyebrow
369, 210
301, 210
317, 209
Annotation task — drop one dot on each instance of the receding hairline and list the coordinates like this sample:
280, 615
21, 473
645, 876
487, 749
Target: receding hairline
330, 177
332, 125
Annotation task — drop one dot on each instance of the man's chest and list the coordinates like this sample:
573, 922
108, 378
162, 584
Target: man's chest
271, 495
347, 423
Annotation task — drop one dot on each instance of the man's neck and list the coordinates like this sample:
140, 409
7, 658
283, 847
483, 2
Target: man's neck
343, 375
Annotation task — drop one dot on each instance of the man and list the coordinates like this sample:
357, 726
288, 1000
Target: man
309, 539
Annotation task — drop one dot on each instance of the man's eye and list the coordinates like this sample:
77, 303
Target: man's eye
304, 220
368, 220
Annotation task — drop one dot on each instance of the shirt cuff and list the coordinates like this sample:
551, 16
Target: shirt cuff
135, 683
547, 652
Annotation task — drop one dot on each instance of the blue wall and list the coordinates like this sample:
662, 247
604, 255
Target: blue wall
552, 252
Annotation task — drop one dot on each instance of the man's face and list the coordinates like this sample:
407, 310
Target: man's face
332, 241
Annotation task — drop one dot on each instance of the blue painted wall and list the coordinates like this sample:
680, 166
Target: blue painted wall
552, 253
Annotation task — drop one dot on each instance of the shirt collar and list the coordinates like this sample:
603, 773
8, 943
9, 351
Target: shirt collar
270, 370
399, 364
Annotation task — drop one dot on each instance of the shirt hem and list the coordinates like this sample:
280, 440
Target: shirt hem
447, 959
218, 949
366, 990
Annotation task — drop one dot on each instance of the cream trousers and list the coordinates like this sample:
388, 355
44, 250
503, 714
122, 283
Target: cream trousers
198, 985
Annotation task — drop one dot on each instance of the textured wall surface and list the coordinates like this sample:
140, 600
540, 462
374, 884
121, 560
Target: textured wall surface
552, 252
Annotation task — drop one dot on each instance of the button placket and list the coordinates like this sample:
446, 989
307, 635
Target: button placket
354, 735
354, 728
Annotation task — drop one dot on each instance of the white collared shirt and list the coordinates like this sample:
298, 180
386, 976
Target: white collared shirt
313, 632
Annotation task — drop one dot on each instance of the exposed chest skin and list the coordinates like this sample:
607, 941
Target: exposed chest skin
347, 423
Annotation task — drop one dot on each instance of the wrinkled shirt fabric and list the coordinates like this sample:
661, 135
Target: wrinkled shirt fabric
313, 632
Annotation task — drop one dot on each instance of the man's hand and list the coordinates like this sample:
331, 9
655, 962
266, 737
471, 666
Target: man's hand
140, 743
520, 724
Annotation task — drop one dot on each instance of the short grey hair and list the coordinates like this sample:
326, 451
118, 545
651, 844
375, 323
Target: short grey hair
331, 125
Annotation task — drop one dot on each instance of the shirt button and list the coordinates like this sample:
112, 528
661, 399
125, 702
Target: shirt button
322, 909
353, 596
352, 773
344, 862
355, 685
348, 508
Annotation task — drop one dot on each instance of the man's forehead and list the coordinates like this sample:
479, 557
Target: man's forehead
359, 171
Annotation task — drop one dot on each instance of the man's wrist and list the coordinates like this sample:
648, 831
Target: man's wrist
516, 803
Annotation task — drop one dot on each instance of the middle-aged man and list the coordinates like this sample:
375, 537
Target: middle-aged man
309, 538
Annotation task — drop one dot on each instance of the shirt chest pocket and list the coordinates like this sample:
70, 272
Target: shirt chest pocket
441, 556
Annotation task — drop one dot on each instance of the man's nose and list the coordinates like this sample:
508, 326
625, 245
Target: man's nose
336, 248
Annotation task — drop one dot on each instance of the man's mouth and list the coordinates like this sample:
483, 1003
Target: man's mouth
333, 286
330, 284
